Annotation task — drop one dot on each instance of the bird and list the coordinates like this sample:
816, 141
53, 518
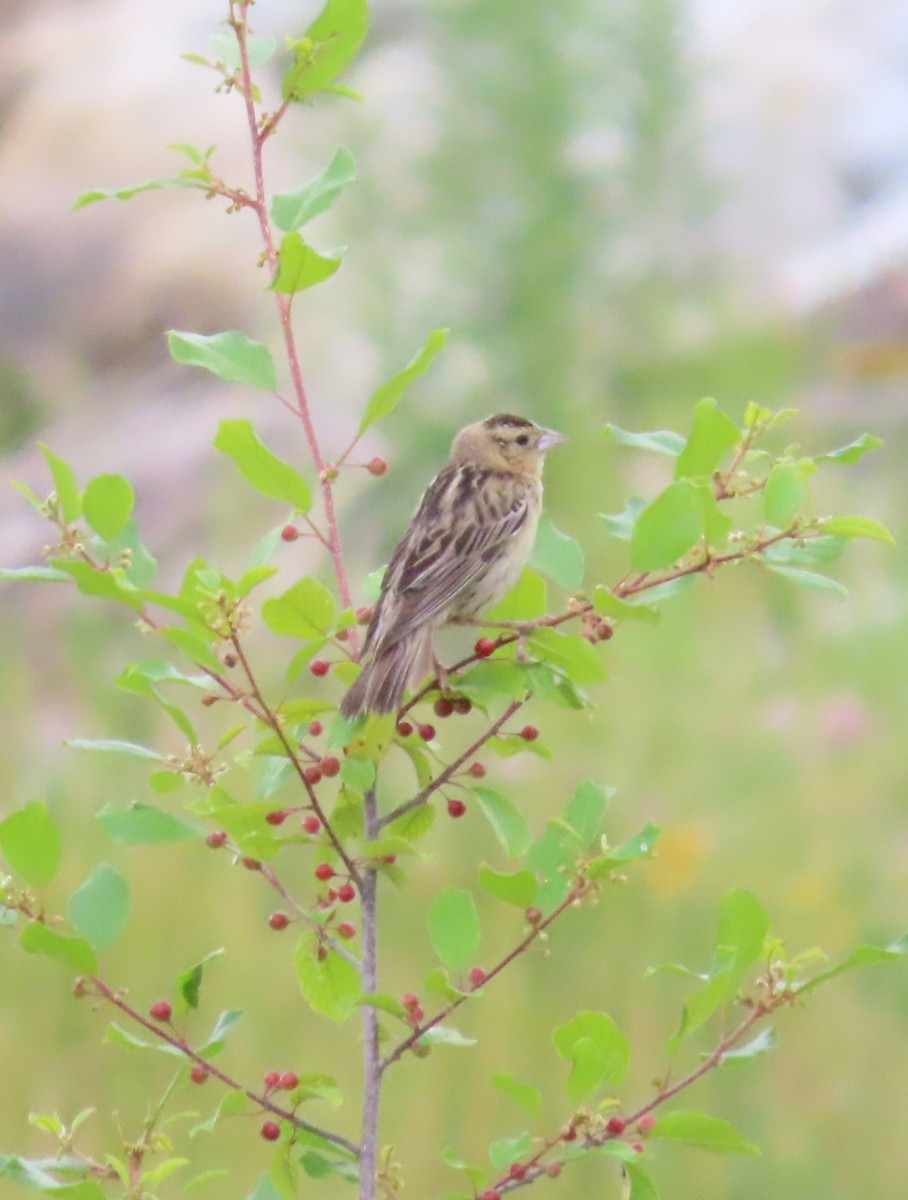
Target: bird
464, 548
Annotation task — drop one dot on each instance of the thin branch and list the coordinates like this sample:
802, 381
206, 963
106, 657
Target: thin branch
173, 1039
368, 1167
407, 1044
442, 778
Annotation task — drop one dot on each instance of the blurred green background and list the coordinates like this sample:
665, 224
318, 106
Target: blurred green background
618, 207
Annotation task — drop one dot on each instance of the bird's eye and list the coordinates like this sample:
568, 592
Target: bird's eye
523, 440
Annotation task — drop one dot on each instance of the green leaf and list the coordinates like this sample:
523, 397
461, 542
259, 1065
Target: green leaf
266, 472
518, 888
99, 909
761, 1043
454, 928
114, 746
386, 398
306, 611
33, 574
133, 189
851, 527
189, 982
30, 843
853, 451
863, 956
38, 938
445, 1035
523, 1094
716, 521
65, 486
329, 984
785, 492
640, 1184
621, 525
329, 45
290, 210
711, 435
195, 645
232, 356
570, 653
107, 504
217, 1039
585, 810
663, 441
524, 602
598, 1051
558, 555
808, 579
510, 1150
110, 584
507, 821
812, 550
641, 845
743, 926
705, 1132
258, 49
667, 528
301, 266
607, 604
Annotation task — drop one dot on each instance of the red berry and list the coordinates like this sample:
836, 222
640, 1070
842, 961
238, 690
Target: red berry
315, 728
484, 647
489, 1194
415, 1016
443, 707
330, 766
324, 871
376, 466
278, 920
615, 1125
289, 1080
529, 733
216, 839
553, 1169
346, 931
477, 976
250, 863
427, 732
646, 1123
198, 1074
311, 823
533, 915
319, 667
271, 1131
364, 615
161, 1010
346, 892
638, 1146
409, 1001
272, 1079
569, 1134
277, 816
477, 770
404, 728
462, 705
389, 859
456, 808
342, 635
312, 775
290, 533
517, 1170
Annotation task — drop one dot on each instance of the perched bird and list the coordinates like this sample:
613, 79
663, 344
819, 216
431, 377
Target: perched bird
463, 549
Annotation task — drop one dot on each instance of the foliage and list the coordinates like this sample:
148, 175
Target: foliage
278, 779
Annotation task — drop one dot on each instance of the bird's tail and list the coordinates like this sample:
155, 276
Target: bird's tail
381, 684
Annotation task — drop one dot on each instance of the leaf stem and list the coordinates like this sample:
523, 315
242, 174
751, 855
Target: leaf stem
368, 1165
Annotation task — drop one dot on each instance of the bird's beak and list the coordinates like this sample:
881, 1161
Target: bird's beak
550, 438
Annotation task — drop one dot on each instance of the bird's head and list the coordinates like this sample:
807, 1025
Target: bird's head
505, 443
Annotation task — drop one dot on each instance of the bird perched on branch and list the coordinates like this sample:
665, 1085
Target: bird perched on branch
463, 549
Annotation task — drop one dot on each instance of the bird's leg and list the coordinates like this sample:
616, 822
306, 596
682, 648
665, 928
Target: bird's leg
441, 676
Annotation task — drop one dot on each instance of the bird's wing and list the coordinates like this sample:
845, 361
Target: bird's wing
456, 531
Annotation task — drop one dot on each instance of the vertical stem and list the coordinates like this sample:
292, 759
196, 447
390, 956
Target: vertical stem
368, 1159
